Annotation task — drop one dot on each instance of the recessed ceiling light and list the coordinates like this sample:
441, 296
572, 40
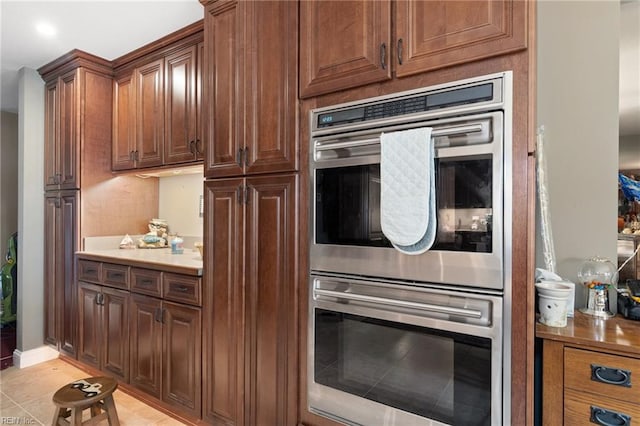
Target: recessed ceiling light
46, 29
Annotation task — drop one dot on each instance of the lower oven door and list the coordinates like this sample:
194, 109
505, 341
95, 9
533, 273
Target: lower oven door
382, 353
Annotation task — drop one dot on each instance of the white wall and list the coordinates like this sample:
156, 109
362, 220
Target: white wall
8, 178
178, 203
30, 210
577, 102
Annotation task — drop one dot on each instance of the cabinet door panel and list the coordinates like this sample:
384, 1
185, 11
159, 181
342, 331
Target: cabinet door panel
69, 236
272, 309
182, 357
149, 84
146, 344
223, 303
51, 270
341, 44
223, 109
115, 333
271, 86
123, 146
436, 34
180, 111
69, 166
90, 333
51, 136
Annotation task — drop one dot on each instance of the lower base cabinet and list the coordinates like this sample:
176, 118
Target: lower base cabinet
166, 351
104, 329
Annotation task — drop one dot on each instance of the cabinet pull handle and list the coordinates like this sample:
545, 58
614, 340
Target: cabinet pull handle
246, 194
601, 416
246, 156
56, 202
146, 282
137, 156
182, 288
239, 194
89, 271
192, 147
114, 275
400, 51
157, 315
611, 376
198, 147
383, 56
131, 156
162, 315
96, 299
239, 157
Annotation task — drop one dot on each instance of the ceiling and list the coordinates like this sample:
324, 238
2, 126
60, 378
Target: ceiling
112, 28
107, 29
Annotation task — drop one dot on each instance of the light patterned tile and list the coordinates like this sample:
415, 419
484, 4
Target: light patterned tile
18, 416
5, 401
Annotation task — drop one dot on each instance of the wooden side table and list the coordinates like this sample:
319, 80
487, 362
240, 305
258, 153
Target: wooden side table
591, 371
95, 393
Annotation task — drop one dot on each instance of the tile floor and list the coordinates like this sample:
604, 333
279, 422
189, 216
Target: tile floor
25, 397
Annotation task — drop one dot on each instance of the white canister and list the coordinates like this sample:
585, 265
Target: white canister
552, 303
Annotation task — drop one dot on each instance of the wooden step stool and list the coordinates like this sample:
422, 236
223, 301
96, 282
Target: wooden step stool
95, 393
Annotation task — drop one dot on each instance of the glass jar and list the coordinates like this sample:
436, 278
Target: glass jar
598, 275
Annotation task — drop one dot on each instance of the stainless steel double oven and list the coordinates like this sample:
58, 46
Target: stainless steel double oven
397, 339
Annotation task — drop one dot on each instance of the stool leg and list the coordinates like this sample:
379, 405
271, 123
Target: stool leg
59, 413
95, 409
111, 411
76, 417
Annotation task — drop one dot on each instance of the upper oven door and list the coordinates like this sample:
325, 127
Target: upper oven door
346, 235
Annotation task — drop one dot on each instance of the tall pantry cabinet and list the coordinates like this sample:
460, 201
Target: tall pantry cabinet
81, 197
250, 308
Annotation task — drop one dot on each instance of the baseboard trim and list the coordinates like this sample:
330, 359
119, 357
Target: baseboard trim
33, 356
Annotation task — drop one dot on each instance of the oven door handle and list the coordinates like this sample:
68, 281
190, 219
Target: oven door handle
400, 303
438, 131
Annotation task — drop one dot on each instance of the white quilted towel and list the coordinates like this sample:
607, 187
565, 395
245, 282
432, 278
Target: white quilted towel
407, 199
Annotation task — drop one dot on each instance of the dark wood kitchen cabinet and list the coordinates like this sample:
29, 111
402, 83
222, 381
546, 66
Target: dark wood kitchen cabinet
78, 101
166, 351
336, 54
156, 106
103, 337
139, 117
183, 138
251, 311
251, 87
61, 240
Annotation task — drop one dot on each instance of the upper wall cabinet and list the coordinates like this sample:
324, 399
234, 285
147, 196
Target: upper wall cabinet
250, 91
156, 103
346, 44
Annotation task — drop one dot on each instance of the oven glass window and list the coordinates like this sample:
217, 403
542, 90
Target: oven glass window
347, 205
435, 374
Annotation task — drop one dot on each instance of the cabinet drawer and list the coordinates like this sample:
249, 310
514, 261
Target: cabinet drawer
115, 275
88, 270
182, 288
587, 371
146, 281
578, 409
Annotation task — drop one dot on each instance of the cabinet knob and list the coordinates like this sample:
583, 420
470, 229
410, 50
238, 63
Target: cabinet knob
400, 51
383, 56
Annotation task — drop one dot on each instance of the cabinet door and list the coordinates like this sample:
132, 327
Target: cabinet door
89, 320
435, 34
223, 107
223, 306
115, 333
200, 118
343, 44
123, 144
149, 86
270, 91
68, 232
69, 97
182, 357
180, 110
51, 271
272, 307
51, 136
146, 344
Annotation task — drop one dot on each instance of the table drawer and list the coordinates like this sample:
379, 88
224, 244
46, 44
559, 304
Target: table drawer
115, 275
146, 281
581, 407
602, 374
182, 288
89, 271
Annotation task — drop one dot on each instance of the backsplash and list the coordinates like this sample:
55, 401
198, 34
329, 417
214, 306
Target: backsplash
179, 202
